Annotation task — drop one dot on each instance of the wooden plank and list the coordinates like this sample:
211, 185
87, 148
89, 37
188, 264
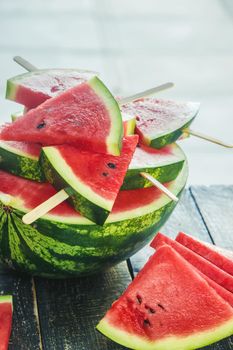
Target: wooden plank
216, 206
25, 330
70, 309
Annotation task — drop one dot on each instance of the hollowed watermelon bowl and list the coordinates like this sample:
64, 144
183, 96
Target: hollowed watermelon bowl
63, 243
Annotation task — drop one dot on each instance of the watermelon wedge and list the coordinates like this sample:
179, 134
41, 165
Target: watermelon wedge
86, 115
129, 123
6, 310
63, 243
161, 122
92, 180
22, 159
168, 306
222, 258
33, 88
164, 164
207, 268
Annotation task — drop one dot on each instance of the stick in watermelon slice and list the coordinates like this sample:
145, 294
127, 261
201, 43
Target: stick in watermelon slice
206, 267
92, 180
222, 258
168, 306
6, 309
86, 116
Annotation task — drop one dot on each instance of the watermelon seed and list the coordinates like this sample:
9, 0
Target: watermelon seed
139, 299
147, 322
111, 165
149, 309
41, 125
105, 174
161, 306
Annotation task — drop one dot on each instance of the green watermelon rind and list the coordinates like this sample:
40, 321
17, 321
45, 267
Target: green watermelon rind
19, 163
191, 342
56, 249
164, 172
90, 209
6, 299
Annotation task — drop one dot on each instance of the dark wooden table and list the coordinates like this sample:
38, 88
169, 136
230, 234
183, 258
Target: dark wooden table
62, 314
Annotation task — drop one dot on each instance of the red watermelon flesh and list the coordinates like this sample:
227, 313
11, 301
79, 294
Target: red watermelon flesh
207, 268
86, 116
222, 258
33, 88
167, 306
6, 310
31, 149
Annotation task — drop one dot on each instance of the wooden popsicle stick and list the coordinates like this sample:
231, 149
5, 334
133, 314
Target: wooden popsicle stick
208, 138
45, 207
160, 186
24, 63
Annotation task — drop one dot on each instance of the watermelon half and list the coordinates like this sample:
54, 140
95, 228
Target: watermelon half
86, 116
161, 122
63, 243
206, 267
6, 310
222, 258
168, 306
164, 164
33, 88
92, 180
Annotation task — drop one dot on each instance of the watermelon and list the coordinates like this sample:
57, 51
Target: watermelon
164, 164
168, 306
207, 268
129, 123
33, 88
6, 309
16, 115
92, 180
161, 122
63, 243
22, 159
222, 258
86, 116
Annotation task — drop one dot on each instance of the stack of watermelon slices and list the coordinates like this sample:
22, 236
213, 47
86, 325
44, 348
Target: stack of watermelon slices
71, 135
172, 303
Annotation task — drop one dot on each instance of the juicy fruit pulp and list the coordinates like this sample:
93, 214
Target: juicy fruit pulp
210, 270
33, 88
6, 310
92, 180
63, 243
86, 116
161, 122
168, 306
220, 257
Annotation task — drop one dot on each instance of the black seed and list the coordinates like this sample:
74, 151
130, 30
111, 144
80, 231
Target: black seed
149, 309
137, 118
41, 125
161, 306
139, 299
111, 165
105, 174
147, 322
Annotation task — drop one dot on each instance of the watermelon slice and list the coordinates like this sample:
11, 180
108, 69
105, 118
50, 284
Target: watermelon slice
92, 180
63, 243
164, 164
210, 270
6, 309
161, 122
168, 306
129, 123
86, 115
33, 88
222, 258
22, 159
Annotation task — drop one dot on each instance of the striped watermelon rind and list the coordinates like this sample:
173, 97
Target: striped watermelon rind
59, 246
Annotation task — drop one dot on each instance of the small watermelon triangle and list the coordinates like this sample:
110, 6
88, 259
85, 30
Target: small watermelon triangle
6, 310
86, 116
168, 306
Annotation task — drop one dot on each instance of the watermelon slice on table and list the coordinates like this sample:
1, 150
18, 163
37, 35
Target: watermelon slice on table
161, 122
210, 270
222, 258
92, 180
86, 116
33, 88
168, 306
164, 164
6, 310
63, 243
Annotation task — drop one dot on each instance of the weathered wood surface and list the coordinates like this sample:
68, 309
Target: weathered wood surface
65, 312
